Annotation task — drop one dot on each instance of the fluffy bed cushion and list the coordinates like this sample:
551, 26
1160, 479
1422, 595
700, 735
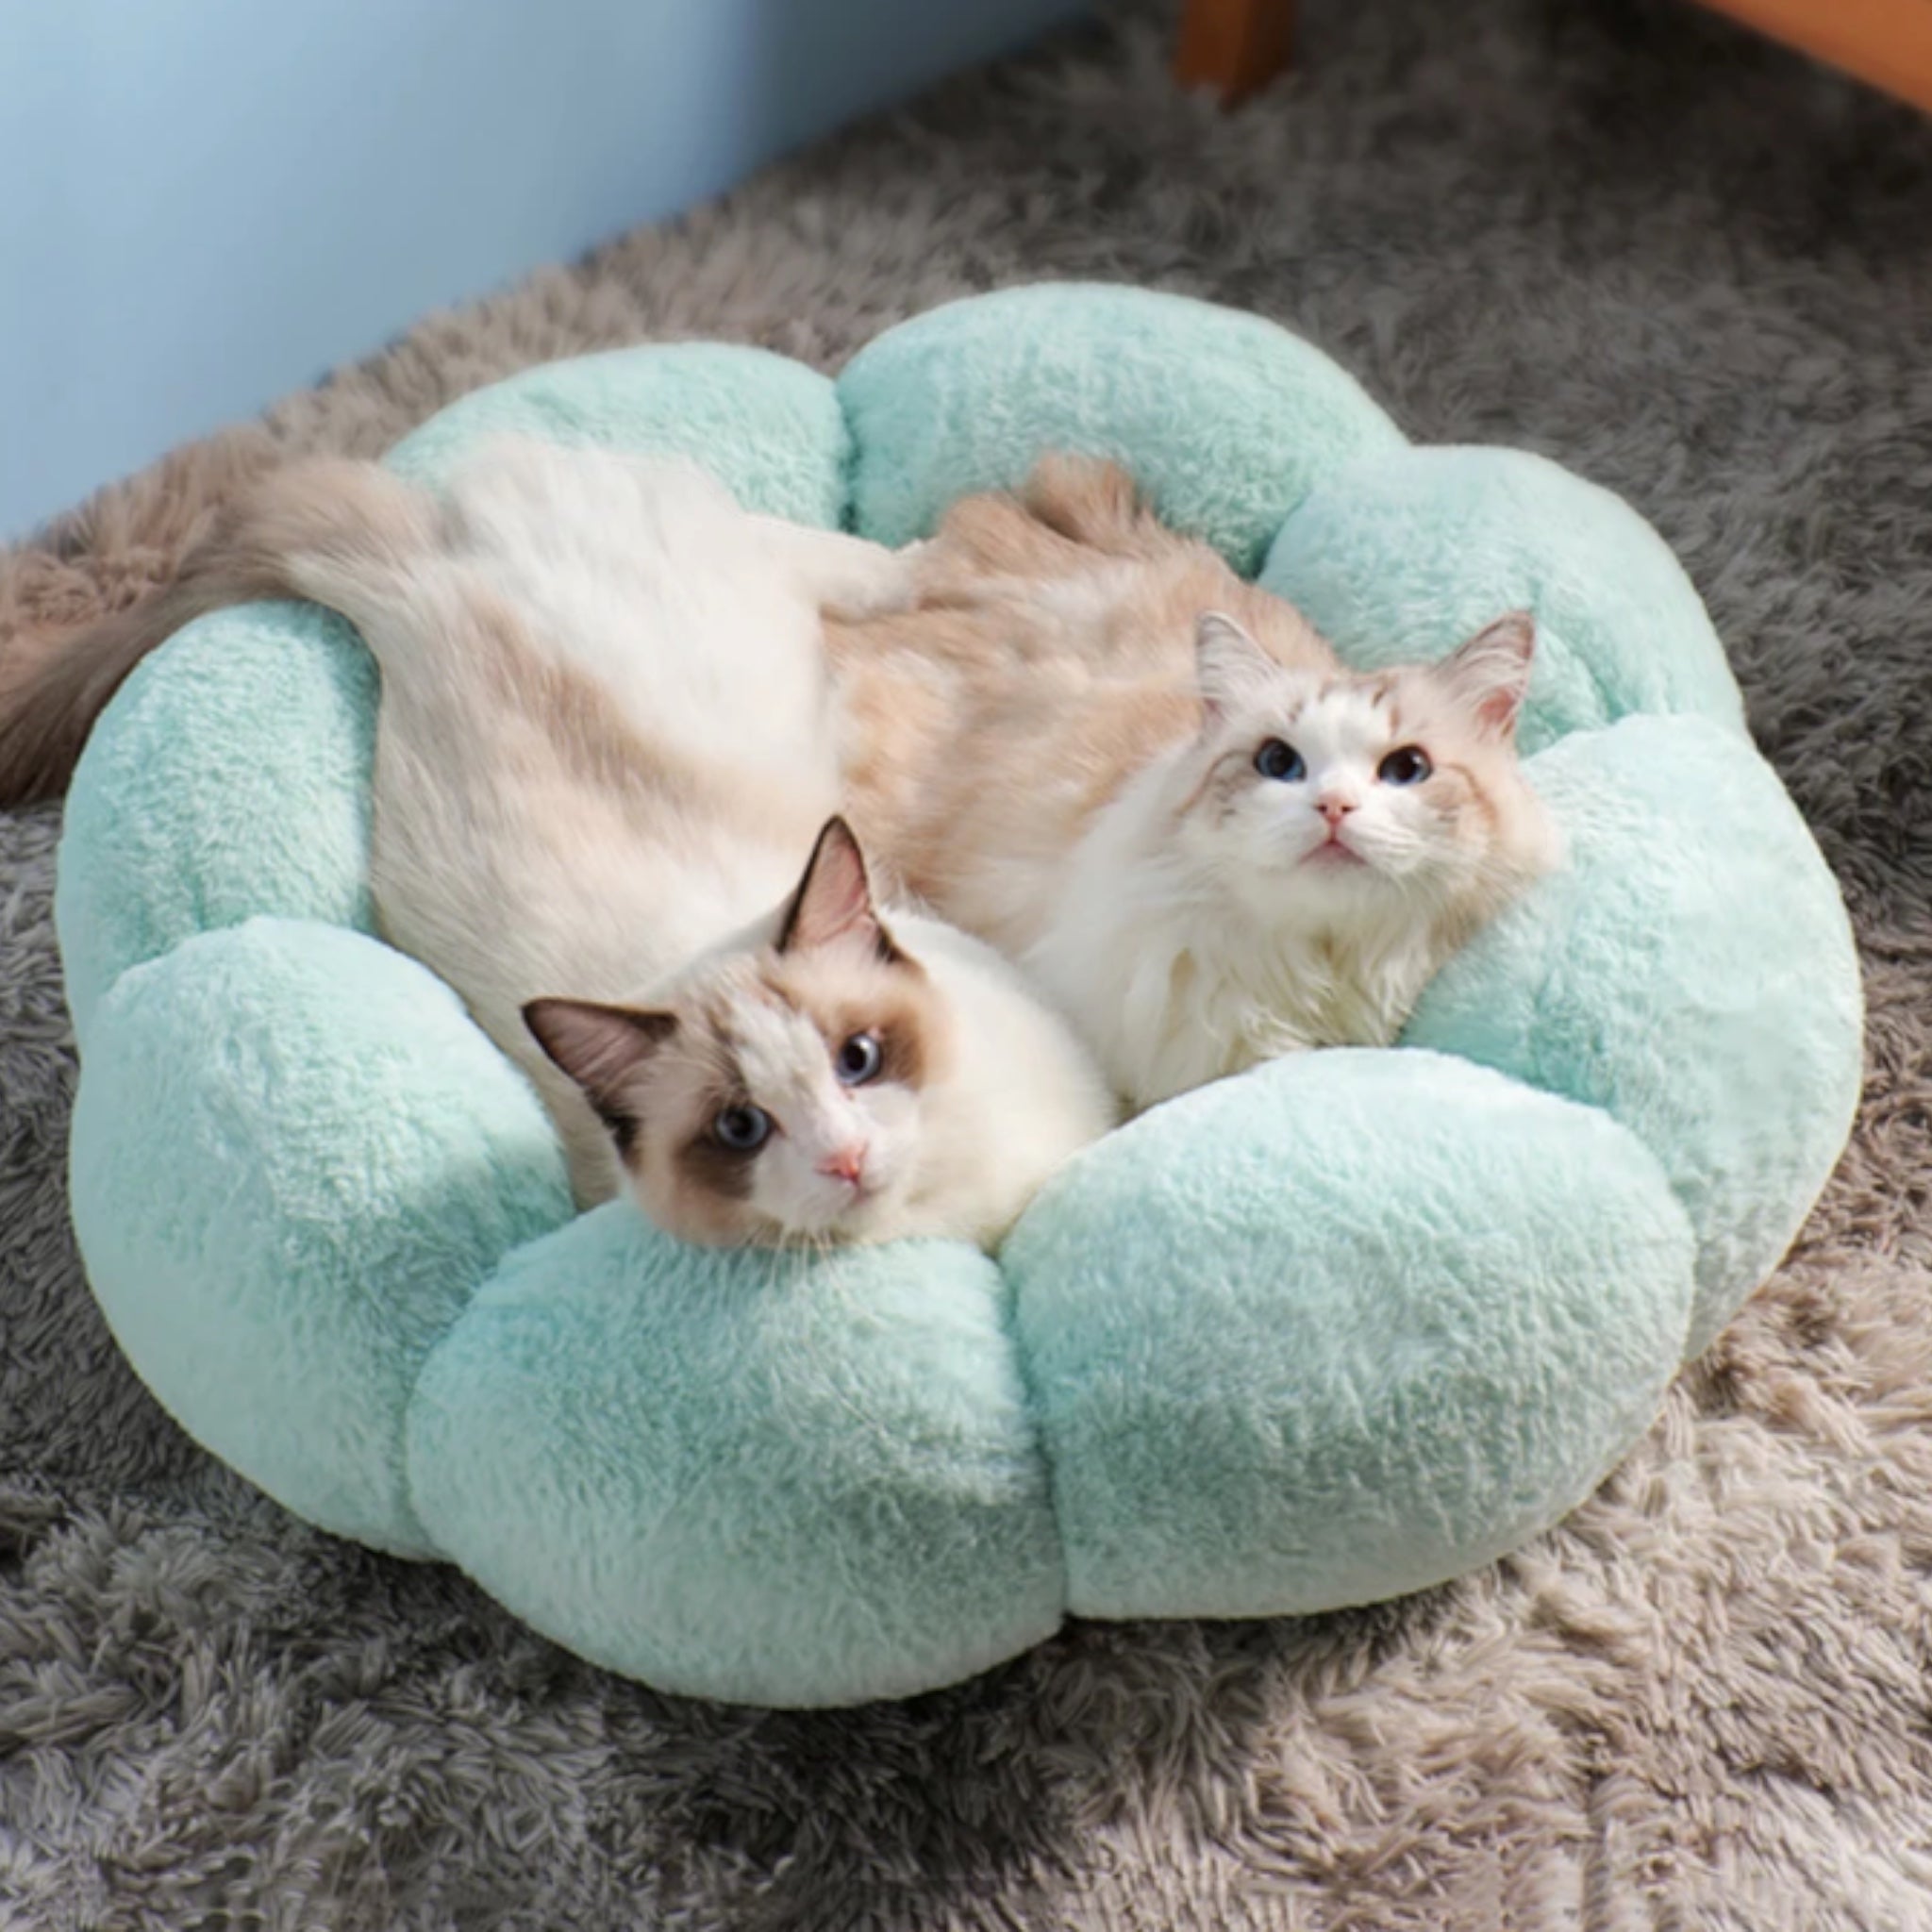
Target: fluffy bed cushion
1328, 1332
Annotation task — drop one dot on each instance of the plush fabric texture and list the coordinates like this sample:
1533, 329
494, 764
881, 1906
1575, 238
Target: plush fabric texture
768, 428
1410, 552
1392, 1320
1226, 420
1690, 971
294, 1157
1320, 1335
230, 781
1623, 233
804, 1481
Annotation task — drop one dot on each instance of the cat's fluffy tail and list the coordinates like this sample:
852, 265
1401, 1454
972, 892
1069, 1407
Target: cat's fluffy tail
1088, 500
329, 530
1071, 509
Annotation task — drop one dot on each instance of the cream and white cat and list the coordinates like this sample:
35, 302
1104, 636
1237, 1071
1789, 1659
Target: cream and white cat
1092, 744
604, 749
1157, 788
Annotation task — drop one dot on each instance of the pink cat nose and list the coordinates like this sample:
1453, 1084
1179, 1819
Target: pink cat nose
847, 1165
1335, 810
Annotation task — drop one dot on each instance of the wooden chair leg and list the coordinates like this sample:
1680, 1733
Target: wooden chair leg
1233, 46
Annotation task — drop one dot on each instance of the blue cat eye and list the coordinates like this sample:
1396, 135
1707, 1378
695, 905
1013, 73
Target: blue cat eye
741, 1129
1280, 760
1407, 764
860, 1059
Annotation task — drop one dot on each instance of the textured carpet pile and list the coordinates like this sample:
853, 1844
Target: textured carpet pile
1616, 231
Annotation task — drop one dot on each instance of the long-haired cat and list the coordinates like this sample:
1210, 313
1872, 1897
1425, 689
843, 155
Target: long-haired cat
1157, 788
605, 748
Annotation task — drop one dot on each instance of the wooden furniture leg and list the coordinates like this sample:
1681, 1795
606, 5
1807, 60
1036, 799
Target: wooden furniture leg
1887, 43
1233, 46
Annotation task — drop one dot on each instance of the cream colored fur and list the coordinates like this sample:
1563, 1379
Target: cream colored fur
1057, 748
604, 746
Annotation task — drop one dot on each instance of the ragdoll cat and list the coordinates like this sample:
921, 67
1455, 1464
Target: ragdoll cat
1157, 788
604, 749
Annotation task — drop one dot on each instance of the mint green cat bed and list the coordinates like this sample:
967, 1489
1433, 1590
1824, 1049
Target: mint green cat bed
1332, 1331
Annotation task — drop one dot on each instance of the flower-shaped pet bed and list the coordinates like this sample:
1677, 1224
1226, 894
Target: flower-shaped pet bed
1330, 1331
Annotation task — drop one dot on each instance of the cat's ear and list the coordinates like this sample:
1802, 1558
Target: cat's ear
834, 902
1231, 671
1489, 675
600, 1048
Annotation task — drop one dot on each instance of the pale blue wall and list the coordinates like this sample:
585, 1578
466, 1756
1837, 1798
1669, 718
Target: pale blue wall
209, 202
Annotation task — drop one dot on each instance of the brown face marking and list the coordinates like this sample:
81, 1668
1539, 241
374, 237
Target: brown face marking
1227, 778
622, 1129
895, 1003
902, 1055
703, 1160
1462, 791
902, 1046
720, 1170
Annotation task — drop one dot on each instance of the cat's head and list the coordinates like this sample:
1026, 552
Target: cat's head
1337, 793
776, 1095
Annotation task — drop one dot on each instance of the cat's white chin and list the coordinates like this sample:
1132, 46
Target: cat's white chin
860, 1216
1332, 855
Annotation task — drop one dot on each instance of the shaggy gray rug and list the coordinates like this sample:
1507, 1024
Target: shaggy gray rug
1614, 230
